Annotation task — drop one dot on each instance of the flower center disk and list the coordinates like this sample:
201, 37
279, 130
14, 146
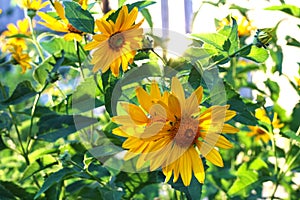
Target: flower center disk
116, 41
185, 131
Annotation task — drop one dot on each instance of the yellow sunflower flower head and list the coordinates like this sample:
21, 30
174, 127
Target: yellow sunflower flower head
62, 24
261, 133
32, 6
169, 131
117, 43
245, 26
22, 28
19, 58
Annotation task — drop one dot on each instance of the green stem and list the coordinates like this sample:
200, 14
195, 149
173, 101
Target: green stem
35, 42
161, 58
229, 56
36, 100
79, 59
88, 173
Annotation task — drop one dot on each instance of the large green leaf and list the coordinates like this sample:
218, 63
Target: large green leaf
254, 53
193, 191
140, 5
133, 183
10, 190
215, 39
245, 178
56, 45
86, 96
289, 9
53, 127
40, 164
233, 38
146, 14
23, 91
274, 89
79, 18
54, 178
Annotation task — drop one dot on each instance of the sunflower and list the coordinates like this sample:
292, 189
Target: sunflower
19, 58
170, 131
62, 24
32, 4
117, 43
259, 132
244, 25
22, 28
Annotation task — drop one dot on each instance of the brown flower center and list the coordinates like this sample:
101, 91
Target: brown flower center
116, 41
185, 131
72, 29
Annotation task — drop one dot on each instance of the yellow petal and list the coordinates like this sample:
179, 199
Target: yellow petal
177, 90
59, 9
210, 153
144, 99
135, 112
155, 91
174, 106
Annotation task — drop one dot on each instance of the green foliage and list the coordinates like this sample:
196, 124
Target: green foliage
57, 137
79, 18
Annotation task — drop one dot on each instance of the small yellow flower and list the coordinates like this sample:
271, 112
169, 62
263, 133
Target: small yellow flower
0, 11
83, 3
18, 57
244, 25
170, 132
62, 24
117, 43
33, 5
261, 133
22, 28
298, 82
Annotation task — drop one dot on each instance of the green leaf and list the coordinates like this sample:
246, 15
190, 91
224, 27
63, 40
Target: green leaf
134, 182
291, 135
295, 123
121, 2
5, 122
245, 178
140, 5
40, 164
53, 127
8, 188
79, 18
193, 191
244, 110
274, 89
51, 64
23, 91
86, 96
146, 14
56, 45
233, 38
277, 57
215, 39
255, 53
289, 9
54, 178
292, 41
2, 145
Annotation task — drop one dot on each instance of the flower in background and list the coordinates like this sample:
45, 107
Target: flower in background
32, 6
0, 11
244, 25
12, 32
84, 4
297, 82
62, 24
169, 131
19, 58
117, 43
261, 133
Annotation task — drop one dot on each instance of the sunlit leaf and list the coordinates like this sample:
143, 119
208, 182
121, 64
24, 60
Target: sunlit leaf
255, 53
289, 9
245, 178
274, 89
79, 18
10, 190
54, 178
23, 91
